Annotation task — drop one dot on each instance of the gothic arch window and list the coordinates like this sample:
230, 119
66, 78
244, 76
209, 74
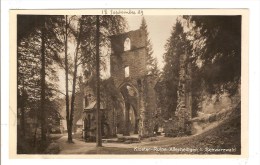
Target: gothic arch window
127, 44
127, 71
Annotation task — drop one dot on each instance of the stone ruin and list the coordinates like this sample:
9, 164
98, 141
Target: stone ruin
139, 112
180, 124
184, 103
129, 75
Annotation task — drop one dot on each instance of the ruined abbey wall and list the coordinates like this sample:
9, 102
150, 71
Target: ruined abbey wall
184, 109
135, 59
137, 112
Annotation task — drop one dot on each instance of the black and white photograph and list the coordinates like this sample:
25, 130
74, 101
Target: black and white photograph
128, 82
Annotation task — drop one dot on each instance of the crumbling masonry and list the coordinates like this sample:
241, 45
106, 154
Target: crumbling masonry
130, 75
184, 102
180, 124
138, 113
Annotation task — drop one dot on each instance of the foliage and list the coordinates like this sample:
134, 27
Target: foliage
217, 46
29, 69
109, 25
176, 45
83, 36
110, 94
29, 57
151, 62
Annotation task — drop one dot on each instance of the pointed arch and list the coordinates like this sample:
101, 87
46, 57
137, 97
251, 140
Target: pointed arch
127, 44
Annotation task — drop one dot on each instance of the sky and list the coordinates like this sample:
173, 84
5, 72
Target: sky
159, 28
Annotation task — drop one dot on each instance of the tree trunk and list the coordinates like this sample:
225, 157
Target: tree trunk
42, 116
98, 136
35, 137
74, 82
67, 80
23, 100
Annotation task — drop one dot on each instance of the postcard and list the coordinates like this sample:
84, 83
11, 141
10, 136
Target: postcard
129, 83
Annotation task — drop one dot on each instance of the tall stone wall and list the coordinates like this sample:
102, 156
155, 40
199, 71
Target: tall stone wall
136, 37
150, 105
135, 59
183, 111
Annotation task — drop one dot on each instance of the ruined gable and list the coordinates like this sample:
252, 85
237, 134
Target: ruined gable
129, 70
134, 58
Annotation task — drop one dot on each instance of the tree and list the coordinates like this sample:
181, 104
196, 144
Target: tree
86, 52
155, 70
27, 71
176, 45
73, 34
97, 30
42, 115
50, 47
37, 44
217, 46
151, 62
67, 77
99, 135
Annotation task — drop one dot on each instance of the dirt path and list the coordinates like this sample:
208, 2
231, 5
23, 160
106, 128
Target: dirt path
80, 147
74, 148
224, 135
197, 128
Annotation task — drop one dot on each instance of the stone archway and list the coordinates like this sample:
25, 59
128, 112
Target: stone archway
130, 98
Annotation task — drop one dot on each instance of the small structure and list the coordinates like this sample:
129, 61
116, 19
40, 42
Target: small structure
79, 126
90, 122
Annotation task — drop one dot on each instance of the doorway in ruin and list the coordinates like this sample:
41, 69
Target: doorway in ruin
130, 99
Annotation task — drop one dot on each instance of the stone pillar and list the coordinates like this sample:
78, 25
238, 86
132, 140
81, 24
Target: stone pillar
127, 122
188, 90
141, 109
136, 126
183, 110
